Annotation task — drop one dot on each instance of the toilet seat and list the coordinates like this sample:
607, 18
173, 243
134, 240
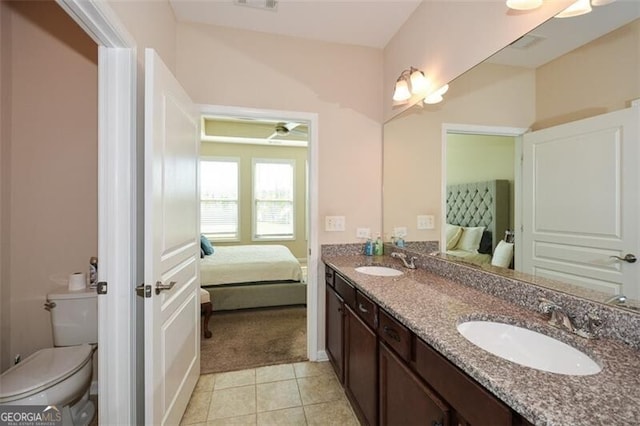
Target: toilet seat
42, 370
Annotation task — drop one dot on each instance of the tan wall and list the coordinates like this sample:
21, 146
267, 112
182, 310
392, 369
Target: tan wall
338, 82
601, 77
488, 95
246, 153
446, 38
49, 159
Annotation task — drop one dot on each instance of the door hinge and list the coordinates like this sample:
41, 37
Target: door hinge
143, 290
101, 287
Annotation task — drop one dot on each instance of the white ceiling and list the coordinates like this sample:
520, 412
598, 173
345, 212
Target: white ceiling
360, 22
374, 22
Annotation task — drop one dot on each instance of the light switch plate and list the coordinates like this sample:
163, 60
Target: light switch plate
334, 223
363, 233
400, 231
426, 221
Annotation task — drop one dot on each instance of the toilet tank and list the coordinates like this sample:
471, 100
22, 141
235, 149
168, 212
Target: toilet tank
74, 316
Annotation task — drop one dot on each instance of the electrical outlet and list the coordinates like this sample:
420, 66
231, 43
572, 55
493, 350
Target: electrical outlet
334, 223
426, 222
400, 231
363, 233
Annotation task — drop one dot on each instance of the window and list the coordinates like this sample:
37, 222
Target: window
273, 199
219, 195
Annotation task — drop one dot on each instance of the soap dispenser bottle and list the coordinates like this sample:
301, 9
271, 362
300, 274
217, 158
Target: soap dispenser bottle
368, 247
378, 246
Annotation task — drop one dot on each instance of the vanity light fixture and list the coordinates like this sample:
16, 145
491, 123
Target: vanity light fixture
524, 4
413, 78
581, 7
436, 96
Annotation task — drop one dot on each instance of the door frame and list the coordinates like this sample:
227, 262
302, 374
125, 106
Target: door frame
313, 248
120, 380
474, 129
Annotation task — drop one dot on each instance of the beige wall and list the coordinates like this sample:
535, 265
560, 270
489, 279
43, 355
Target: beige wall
338, 82
490, 94
600, 77
49, 161
446, 38
246, 153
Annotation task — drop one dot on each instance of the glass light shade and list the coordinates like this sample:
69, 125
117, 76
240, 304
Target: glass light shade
523, 4
401, 92
433, 98
600, 2
441, 91
576, 9
419, 83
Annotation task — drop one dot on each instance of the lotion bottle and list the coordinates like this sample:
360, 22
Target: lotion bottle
379, 248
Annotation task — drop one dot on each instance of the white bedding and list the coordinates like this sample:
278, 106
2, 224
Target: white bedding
253, 263
471, 257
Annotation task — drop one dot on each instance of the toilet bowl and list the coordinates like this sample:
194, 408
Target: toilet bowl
60, 376
53, 376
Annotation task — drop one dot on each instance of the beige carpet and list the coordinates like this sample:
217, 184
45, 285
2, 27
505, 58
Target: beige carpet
254, 338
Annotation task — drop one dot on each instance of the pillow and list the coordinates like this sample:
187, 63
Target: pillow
470, 239
452, 235
205, 245
486, 243
502, 255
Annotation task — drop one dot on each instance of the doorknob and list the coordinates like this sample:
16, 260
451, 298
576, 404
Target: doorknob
160, 287
627, 258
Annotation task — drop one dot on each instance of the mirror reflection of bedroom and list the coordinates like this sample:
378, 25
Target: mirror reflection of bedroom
253, 208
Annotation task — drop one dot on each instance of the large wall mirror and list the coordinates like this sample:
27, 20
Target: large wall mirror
566, 71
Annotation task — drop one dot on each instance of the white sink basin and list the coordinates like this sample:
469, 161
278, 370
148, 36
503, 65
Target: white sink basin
380, 271
528, 348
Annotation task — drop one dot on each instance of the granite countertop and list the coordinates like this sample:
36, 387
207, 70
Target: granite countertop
432, 306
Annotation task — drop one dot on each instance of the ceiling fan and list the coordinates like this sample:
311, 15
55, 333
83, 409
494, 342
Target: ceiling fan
284, 129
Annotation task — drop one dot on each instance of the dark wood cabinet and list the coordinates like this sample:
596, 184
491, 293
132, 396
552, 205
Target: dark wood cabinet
404, 399
394, 378
334, 331
361, 367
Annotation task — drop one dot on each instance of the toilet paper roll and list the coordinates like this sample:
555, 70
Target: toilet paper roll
77, 281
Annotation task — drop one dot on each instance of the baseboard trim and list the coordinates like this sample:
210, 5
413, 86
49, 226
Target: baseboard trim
322, 356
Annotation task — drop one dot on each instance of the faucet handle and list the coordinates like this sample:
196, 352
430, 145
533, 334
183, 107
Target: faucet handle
591, 325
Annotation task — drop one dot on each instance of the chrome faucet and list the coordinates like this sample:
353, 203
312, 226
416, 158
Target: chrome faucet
559, 318
409, 264
617, 299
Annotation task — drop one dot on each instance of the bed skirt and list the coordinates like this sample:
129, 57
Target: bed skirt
229, 297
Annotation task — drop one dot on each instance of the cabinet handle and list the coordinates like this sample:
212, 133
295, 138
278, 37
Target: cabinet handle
391, 333
437, 423
363, 309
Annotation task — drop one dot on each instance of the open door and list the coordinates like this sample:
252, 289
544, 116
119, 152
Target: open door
171, 245
580, 203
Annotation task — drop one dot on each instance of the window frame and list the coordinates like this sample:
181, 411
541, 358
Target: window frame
254, 209
237, 161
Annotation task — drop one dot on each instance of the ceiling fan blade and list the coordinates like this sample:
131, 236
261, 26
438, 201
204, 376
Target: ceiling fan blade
291, 125
273, 135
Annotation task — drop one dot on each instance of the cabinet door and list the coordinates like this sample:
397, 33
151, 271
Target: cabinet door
404, 399
334, 317
361, 367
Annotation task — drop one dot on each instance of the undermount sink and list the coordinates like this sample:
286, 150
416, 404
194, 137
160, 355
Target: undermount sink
379, 271
528, 348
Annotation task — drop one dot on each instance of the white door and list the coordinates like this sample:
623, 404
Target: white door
172, 248
580, 202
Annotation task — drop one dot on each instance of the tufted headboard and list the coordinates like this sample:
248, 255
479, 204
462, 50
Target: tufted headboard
480, 204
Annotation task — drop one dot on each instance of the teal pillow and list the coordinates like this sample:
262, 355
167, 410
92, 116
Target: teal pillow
205, 245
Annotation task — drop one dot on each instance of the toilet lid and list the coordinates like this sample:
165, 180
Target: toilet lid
41, 370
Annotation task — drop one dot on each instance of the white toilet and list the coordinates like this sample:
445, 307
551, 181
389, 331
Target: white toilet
61, 375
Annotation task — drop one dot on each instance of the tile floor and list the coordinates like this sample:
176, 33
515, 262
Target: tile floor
305, 393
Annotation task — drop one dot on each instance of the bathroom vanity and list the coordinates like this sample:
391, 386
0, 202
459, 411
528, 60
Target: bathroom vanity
394, 345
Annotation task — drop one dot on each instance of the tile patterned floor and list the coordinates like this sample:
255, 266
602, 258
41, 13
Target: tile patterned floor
305, 393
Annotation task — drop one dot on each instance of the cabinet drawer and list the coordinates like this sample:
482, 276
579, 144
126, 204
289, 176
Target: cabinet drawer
367, 310
328, 275
466, 396
345, 290
396, 335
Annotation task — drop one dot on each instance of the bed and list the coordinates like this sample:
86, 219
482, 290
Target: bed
481, 208
252, 276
